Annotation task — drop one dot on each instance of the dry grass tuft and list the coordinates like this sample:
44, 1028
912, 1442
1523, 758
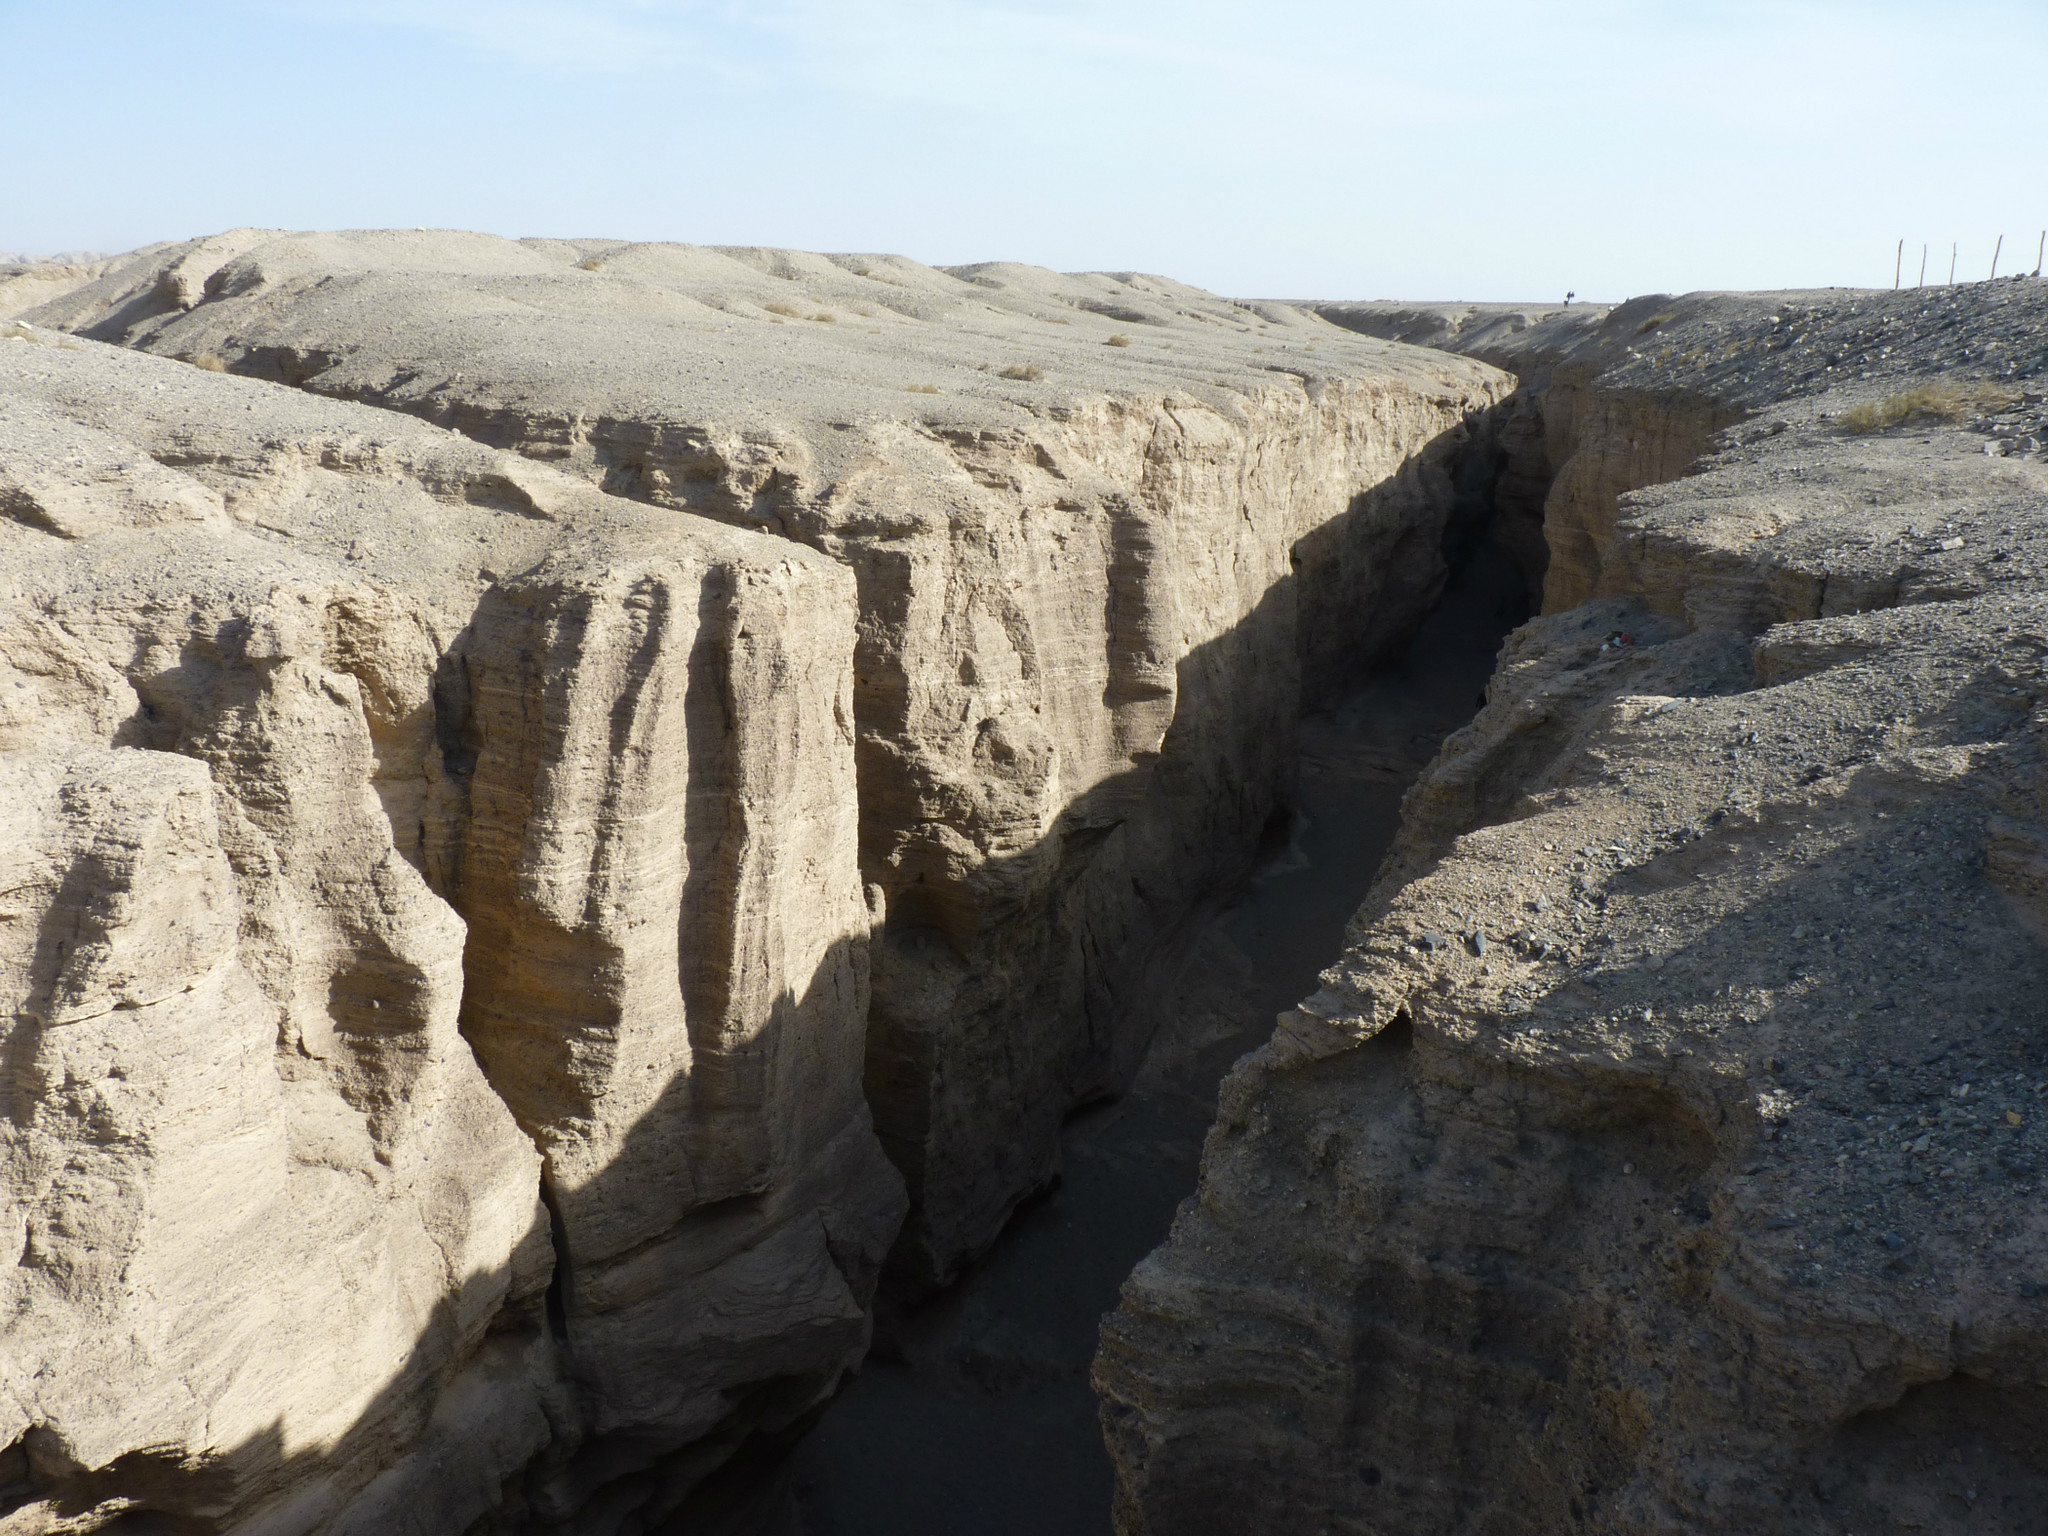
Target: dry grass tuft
921, 389
784, 309
829, 319
210, 361
1021, 371
1652, 323
1118, 340
590, 264
11, 331
1927, 402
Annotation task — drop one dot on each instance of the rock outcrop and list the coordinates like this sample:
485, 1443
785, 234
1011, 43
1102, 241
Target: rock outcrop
1107, 532
435, 968
475, 883
1667, 1151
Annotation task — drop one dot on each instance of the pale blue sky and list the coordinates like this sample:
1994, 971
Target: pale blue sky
1292, 148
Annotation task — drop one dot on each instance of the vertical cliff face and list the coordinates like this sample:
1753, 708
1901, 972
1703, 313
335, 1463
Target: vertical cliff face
1606, 444
1665, 1152
430, 1092
163, 1172
1087, 722
579, 879
1107, 534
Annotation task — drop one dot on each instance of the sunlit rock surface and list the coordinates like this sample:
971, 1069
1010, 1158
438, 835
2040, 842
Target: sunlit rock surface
1107, 531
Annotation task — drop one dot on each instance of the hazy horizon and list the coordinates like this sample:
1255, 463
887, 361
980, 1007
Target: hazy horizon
1300, 151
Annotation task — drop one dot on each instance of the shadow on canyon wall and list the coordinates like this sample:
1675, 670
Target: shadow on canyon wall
1082, 931
974, 1413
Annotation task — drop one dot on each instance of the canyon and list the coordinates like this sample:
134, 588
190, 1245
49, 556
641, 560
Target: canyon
591, 814
739, 735
1664, 1151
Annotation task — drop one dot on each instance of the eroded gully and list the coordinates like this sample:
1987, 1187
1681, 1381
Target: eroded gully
973, 1415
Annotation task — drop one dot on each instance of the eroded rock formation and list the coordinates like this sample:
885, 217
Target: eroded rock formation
342, 756
472, 903
1666, 1153
1106, 532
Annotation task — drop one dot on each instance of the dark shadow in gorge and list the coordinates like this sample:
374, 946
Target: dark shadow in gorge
1014, 987
974, 1412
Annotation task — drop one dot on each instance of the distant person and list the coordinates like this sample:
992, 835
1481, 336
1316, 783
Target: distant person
1569, 297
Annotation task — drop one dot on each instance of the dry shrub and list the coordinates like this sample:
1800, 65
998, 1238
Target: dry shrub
210, 361
11, 331
1926, 402
590, 264
1021, 371
784, 309
822, 315
1118, 340
1652, 323
921, 389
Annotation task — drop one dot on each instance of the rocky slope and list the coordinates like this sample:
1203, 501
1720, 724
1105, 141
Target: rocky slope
435, 965
1107, 533
1666, 1151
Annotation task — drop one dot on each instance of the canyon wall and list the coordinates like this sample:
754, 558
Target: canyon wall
589, 767
1107, 534
436, 961
1666, 1151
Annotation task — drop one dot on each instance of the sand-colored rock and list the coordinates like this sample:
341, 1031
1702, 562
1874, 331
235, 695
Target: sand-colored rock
1108, 533
26, 284
432, 1092
1667, 1151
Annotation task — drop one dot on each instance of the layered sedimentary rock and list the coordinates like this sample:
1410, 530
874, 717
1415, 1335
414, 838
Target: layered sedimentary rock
490, 862
1666, 1153
1107, 533
435, 972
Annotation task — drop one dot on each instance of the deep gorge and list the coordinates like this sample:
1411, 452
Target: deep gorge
611, 832
973, 1412
1061, 644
